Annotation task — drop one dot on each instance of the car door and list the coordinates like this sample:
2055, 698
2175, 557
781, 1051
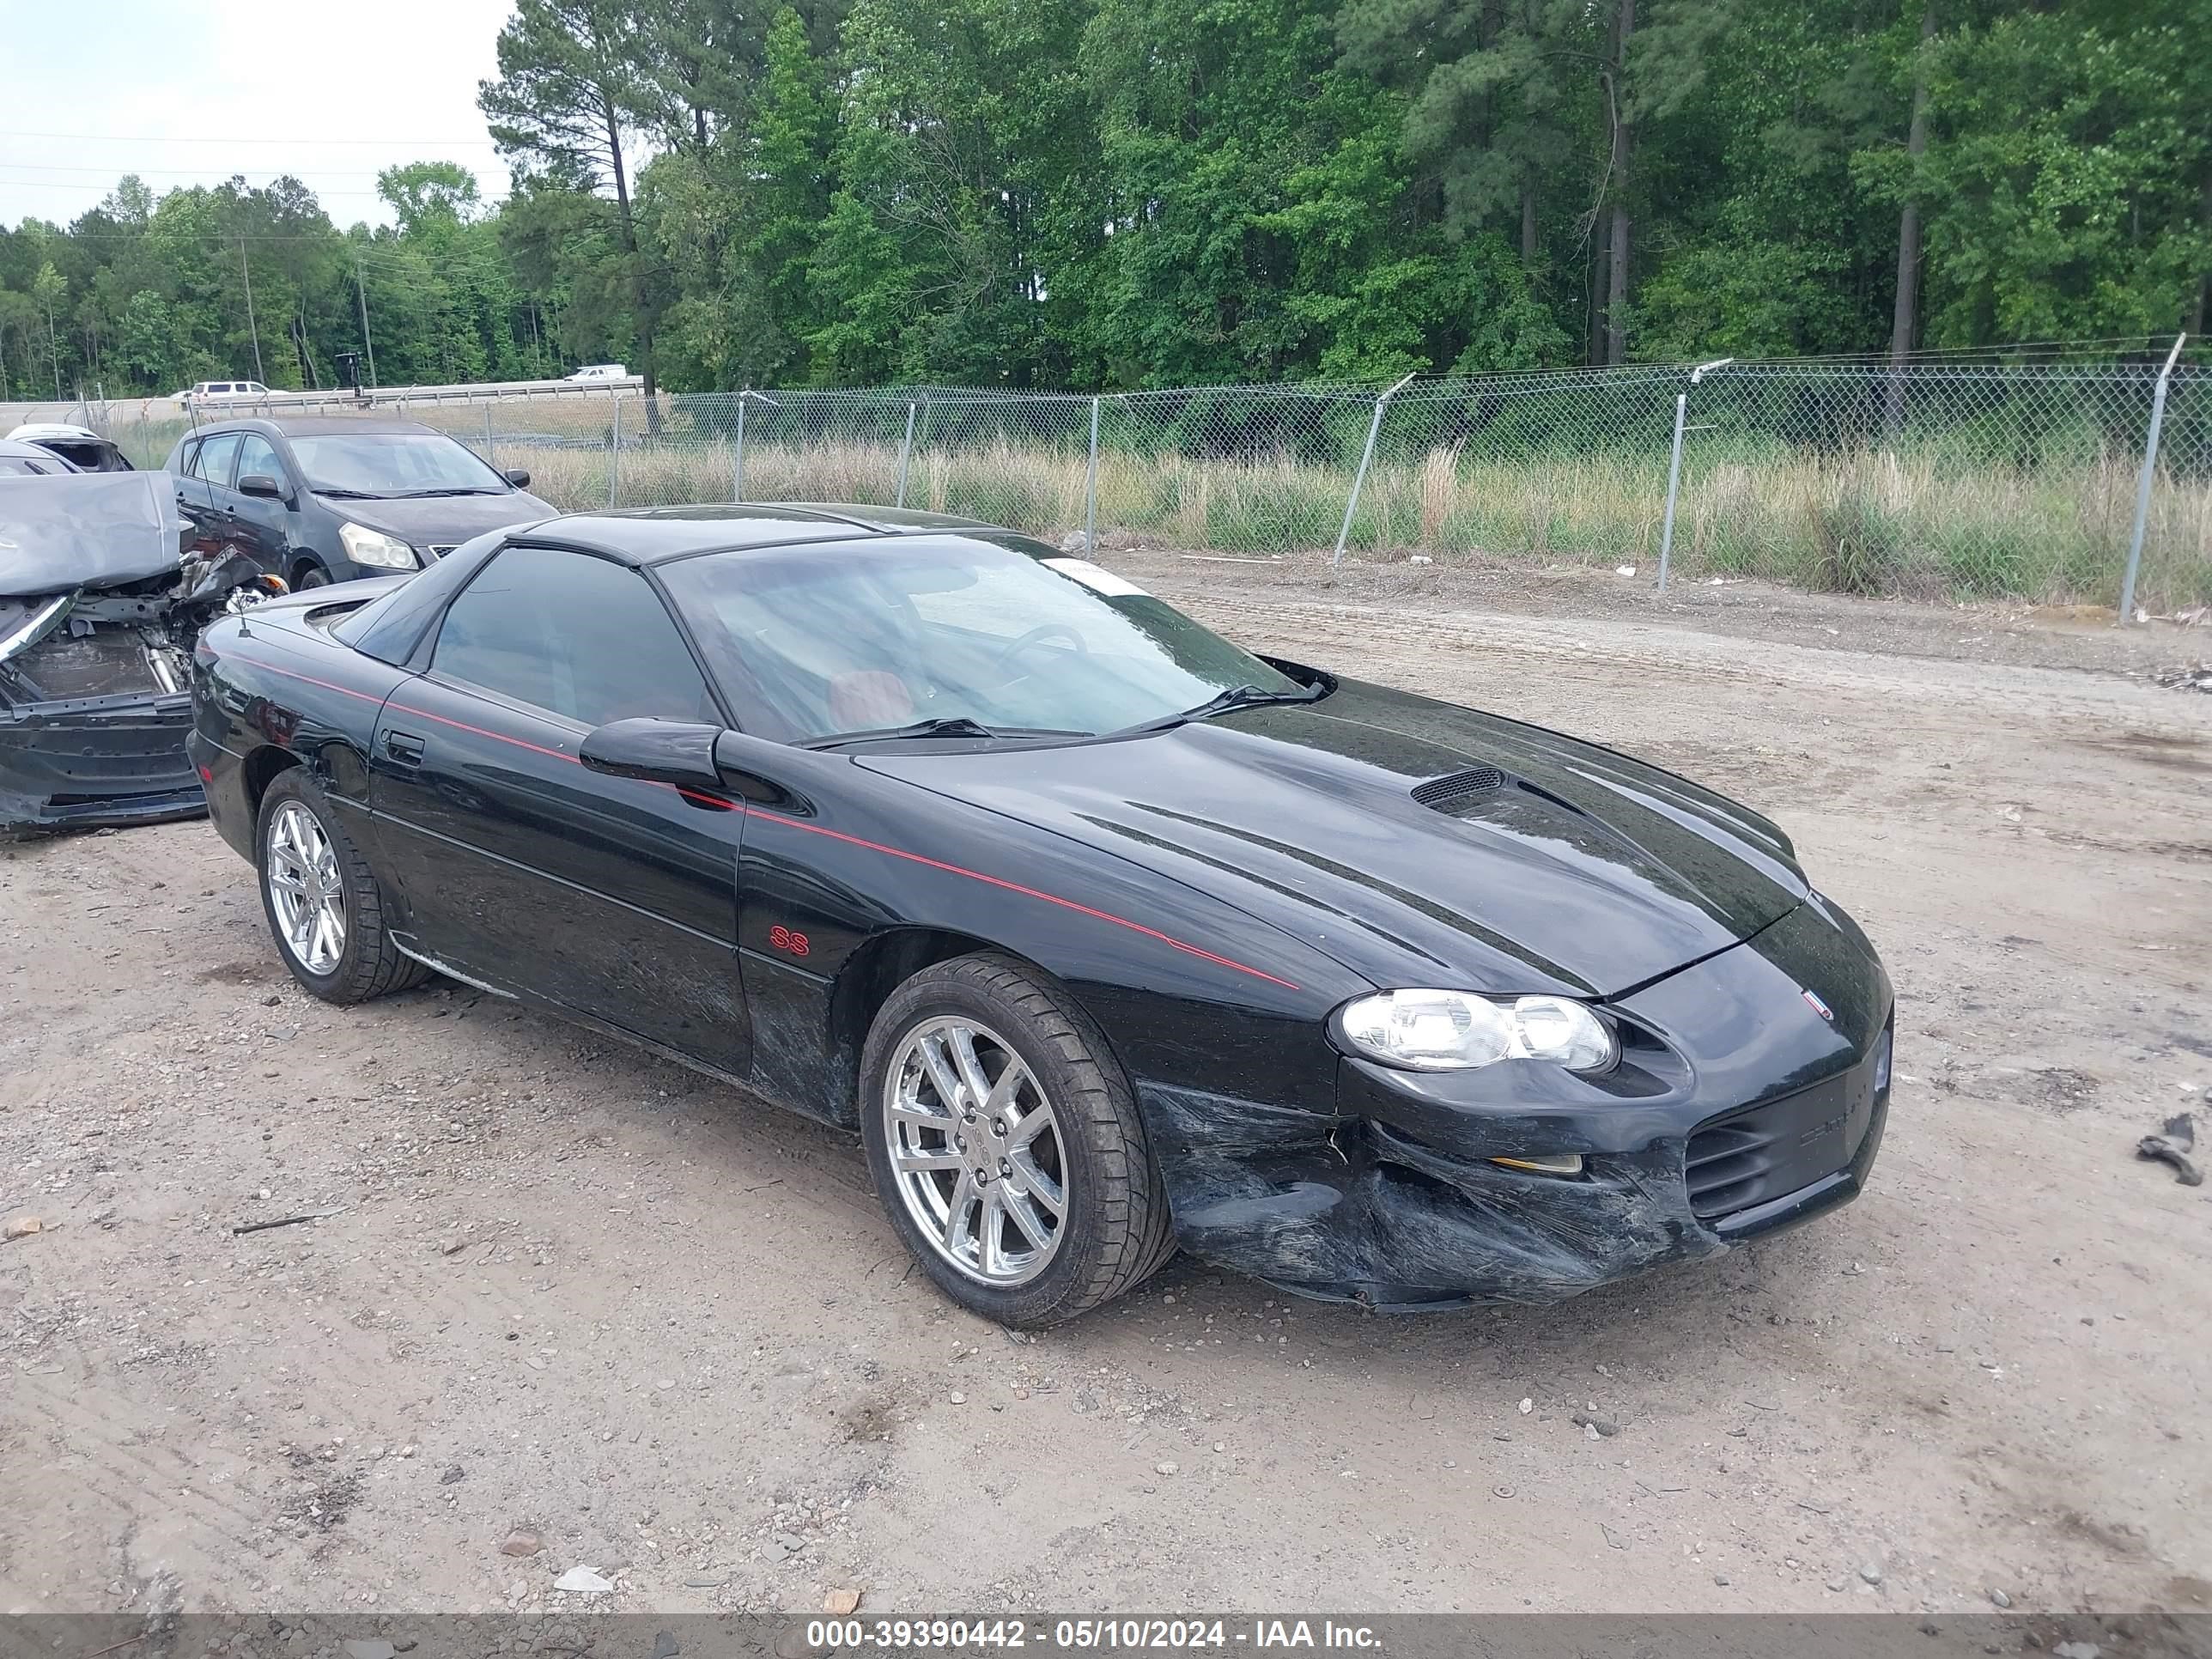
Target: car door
203, 490
262, 526
518, 867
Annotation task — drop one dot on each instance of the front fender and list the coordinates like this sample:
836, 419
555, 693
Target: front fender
1192, 991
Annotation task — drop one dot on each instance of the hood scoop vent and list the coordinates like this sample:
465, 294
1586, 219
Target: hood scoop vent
1457, 791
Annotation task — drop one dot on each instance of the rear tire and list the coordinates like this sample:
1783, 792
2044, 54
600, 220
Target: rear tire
1018, 1058
324, 908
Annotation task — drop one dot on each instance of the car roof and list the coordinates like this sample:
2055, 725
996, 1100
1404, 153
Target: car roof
13, 449
655, 535
34, 431
304, 426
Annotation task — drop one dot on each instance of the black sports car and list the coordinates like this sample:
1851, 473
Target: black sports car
1106, 936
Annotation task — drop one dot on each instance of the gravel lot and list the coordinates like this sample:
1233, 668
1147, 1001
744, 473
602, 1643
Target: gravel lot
570, 1298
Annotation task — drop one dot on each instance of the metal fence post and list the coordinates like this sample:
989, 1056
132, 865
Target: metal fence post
614, 455
737, 467
1675, 467
1673, 486
2142, 485
905, 453
489, 459
1090, 488
1366, 457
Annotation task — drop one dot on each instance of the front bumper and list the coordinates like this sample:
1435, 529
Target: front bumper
97, 762
1738, 1109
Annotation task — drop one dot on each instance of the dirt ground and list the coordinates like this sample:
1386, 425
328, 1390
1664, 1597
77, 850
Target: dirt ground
567, 1290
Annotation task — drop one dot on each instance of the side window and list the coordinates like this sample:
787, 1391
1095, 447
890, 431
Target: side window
188, 463
584, 637
216, 456
257, 454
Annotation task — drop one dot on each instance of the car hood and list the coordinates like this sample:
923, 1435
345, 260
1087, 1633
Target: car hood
96, 529
442, 518
1560, 866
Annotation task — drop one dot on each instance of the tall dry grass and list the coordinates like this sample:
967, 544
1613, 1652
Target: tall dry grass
1923, 525
1867, 522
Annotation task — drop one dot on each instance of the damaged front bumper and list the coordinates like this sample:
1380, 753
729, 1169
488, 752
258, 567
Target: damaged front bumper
94, 713
1751, 1095
97, 762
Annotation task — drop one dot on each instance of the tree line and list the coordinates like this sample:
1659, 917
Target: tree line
1121, 193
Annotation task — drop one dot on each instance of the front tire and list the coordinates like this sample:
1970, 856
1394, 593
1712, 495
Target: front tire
324, 908
309, 572
1005, 1145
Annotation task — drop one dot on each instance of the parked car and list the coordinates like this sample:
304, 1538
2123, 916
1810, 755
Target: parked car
83, 448
225, 392
18, 459
317, 499
97, 618
1106, 936
600, 371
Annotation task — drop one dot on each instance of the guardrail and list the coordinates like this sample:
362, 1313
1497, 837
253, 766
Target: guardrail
97, 412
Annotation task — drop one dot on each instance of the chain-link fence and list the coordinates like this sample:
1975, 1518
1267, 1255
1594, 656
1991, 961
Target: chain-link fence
1934, 480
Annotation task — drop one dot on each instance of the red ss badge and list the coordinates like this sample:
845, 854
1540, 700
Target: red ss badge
784, 939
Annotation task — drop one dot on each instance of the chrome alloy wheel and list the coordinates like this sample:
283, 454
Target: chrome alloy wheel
305, 891
976, 1151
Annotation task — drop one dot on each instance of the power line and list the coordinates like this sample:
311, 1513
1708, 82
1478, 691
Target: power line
80, 187
484, 143
390, 252
113, 171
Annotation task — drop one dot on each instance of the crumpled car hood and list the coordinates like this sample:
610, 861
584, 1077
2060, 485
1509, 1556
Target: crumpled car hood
92, 530
1577, 870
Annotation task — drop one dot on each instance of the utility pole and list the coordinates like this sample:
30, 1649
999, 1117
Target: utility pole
53, 349
361, 292
252, 327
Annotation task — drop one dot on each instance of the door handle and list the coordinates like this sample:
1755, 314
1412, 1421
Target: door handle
405, 747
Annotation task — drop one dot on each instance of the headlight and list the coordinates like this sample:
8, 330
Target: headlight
1455, 1031
366, 546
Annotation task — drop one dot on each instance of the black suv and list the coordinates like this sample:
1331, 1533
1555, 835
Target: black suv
327, 499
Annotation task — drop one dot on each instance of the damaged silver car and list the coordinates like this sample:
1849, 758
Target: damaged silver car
99, 613
81, 446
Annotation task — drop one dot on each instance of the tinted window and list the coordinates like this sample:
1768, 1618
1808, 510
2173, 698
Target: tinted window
217, 453
815, 643
579, 635
257, 454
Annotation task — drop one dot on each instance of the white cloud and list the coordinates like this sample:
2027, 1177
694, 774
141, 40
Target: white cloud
184, 94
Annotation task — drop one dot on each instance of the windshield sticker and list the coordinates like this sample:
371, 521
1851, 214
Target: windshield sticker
1097, 578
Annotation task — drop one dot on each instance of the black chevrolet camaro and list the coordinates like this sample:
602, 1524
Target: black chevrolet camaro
1108, 937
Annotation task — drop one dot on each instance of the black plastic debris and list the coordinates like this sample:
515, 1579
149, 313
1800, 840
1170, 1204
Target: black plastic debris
2174, 1147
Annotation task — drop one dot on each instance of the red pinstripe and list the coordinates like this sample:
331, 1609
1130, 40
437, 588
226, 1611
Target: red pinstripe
1027, 892
1168, 940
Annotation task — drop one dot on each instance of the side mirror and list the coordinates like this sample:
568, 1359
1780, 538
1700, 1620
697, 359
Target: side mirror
681, 752
261, 484
517, 476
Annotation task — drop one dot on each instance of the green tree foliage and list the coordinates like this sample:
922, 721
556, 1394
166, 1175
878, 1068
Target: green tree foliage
1143, 192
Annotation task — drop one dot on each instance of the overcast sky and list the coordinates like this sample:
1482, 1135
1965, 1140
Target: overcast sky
191, 94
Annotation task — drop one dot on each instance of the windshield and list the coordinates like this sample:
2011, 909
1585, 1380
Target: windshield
815, 643
393, 464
